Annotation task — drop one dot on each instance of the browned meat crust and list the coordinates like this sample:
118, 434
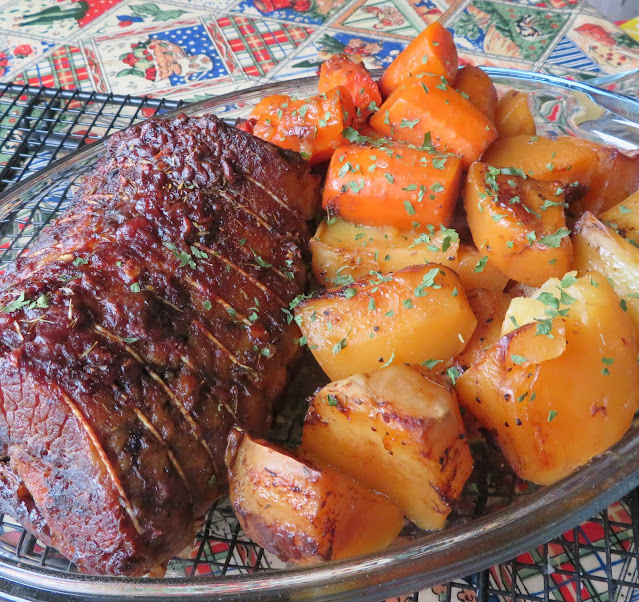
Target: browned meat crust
140, 327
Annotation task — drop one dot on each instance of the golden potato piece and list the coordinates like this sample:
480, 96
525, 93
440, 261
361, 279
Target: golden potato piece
513, 116
546, 159
624, 218
416, 314
562, 388
600, 249
397, 431
343, 252
519, 222
615, 177
475, 84
301, 512
477, 270
489, 307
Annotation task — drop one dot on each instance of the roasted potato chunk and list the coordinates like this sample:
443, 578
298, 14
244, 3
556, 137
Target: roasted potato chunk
563, 385
397, 431
615, 177
343, 252
519, 222
475, 84
513, 116
546, 159
489, 307
416, 314
301, 512
624, 218
600, 249
477, 270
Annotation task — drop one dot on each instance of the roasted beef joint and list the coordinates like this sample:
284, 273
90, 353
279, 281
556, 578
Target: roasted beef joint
139, 328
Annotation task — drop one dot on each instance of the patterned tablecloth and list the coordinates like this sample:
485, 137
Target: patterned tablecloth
192, 49
195, 48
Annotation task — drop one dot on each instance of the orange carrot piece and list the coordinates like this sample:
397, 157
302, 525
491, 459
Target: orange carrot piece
311, 126
430, 108
246, 125
367, 131
432, 51
475, 84
341, 70
392, 184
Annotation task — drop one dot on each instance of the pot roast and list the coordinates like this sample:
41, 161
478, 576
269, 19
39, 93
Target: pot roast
139, 328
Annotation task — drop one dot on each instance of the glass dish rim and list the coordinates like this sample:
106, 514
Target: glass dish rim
434, 558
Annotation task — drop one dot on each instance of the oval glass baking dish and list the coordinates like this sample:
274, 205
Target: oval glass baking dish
499, 516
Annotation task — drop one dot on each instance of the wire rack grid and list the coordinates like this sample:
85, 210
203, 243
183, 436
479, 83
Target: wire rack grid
598, 560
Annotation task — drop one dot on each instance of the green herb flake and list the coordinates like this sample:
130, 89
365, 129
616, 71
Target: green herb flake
544, 327
552, 415
409, 208
42, 302
453, 373
405, 123
568, 280
481, 264
428, 281
518, 359
259, 261
390, 360
430, 364
554, 240
344, 169
331, 400
339, 346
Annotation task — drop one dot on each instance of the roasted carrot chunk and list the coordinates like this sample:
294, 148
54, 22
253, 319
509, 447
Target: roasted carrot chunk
341, 70
475, 84
391, 184
432, 51
429, 108
311, 126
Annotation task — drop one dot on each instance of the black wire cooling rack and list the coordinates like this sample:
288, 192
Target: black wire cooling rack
598, 560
